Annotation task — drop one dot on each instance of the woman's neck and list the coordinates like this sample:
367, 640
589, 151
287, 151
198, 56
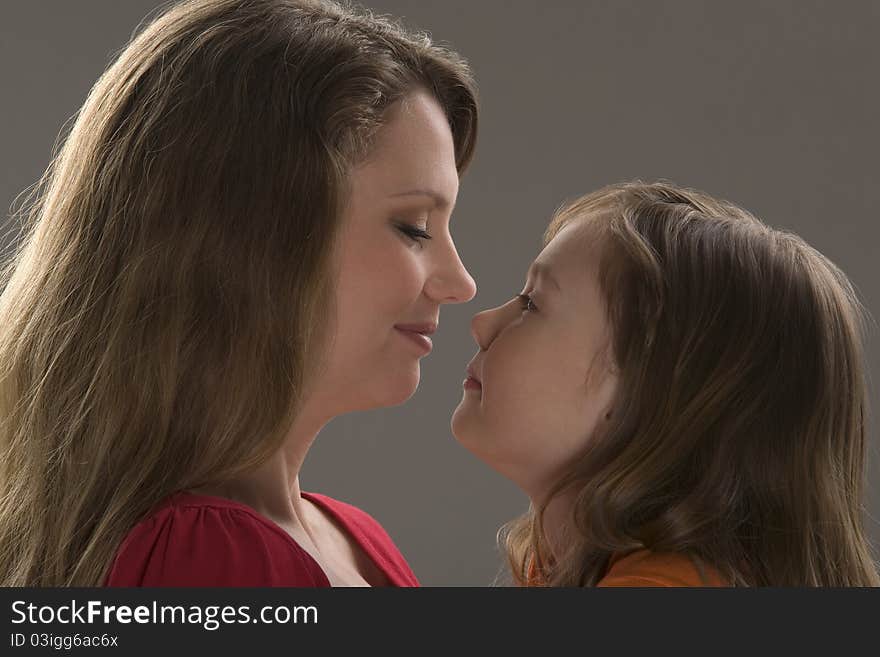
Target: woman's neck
272, 489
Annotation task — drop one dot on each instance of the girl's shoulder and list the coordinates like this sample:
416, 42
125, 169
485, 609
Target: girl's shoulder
652, 569
200, 540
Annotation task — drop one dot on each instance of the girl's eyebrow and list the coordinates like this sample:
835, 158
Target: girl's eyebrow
542, 271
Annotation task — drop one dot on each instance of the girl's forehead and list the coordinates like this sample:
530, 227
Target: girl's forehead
574, 248
571, 258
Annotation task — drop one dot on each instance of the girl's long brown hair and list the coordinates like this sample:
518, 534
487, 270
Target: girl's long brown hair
163, 309
738, 436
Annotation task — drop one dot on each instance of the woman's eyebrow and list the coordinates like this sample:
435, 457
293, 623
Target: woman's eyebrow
440, 201
544, 272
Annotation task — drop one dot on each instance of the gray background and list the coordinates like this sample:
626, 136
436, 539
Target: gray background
770, 104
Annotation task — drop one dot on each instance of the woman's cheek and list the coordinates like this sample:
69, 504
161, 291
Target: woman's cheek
406, 274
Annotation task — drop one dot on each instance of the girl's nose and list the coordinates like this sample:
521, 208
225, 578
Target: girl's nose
486, 325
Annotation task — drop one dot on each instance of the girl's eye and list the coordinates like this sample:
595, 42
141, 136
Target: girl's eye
527, 304
415, 234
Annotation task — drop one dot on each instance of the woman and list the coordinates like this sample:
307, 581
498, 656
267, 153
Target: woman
245, 235
680, 391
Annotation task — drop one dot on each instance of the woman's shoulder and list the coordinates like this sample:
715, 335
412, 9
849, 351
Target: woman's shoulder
371, 535
200, 540
350, 515
652, 569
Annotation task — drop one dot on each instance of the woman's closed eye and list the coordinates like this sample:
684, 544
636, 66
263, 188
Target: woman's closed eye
414, 233
527, 304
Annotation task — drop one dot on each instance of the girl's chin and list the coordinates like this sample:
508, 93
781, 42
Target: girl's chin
463, 427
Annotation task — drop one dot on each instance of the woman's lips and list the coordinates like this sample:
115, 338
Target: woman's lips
422, 341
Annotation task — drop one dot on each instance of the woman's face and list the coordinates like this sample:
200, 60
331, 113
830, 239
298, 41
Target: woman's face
390, 277
545, 378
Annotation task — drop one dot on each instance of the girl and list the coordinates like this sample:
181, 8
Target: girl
245, 235
679, 389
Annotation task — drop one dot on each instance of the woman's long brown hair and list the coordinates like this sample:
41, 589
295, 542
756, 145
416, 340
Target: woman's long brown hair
738, 435
164, 307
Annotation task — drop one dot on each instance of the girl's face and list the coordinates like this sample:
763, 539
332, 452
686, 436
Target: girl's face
544, 371
390, 275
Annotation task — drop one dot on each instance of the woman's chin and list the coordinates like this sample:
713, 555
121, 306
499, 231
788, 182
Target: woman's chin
381, 394
399, 390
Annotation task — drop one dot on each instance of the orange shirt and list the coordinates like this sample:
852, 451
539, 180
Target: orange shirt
644, 568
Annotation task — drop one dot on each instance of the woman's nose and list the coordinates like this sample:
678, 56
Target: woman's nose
450, 281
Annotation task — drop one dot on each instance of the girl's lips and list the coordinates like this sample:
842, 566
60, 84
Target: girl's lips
471, 383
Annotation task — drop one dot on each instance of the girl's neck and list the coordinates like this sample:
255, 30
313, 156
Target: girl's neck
557, 524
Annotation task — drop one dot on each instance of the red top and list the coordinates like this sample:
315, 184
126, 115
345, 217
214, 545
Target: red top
200, 540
